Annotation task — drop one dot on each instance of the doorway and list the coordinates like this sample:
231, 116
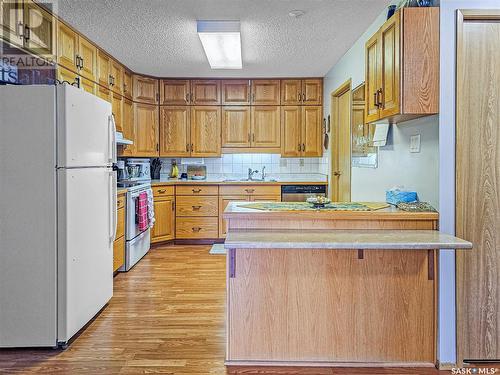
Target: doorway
478, 184
340, 186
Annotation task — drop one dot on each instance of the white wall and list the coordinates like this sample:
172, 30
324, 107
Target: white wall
447, 328
397, 166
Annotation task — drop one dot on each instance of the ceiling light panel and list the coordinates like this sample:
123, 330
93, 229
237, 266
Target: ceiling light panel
221, 41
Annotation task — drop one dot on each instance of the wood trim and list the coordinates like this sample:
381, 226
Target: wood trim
326, 364
251, 150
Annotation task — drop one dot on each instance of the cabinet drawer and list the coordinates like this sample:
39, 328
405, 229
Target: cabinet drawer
197, 206
196, 227
118, 253
120, 222
120, 201
197, 190
159, 191
250, 190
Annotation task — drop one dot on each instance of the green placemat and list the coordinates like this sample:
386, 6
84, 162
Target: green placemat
303, 206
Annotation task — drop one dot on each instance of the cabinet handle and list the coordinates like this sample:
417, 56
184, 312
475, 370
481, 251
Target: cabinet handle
299, 97
187, 147
253, 97
379, 98
191, 96
192, 148
26, 32
299, 147
173, 205
196, 229
187, 97
20, 30
157, 147
253, 137
375, 96
303, 147
196, 190
82, 62
161, 191
249, 191
249, 137
196, 207
303, 97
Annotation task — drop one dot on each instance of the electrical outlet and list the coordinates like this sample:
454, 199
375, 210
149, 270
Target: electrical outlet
283, 162
301, 162
415, 143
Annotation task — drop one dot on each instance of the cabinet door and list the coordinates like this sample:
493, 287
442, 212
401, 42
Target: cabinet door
312, 134
205, 131
312, 91
291, 91
11, 27
223, 202
103, 93
40, 30
265, 198
174, 131
146, 129
175, 92
145, 89
88, 85
67, 75
118, 253
236, 92
127, 84
116, 105
236, 126
164, 227
103, 69
205, 92
128, 128
67, 46
372, 81
389, 67
117, 77
291, 125
266, 126
265, 92
88, 53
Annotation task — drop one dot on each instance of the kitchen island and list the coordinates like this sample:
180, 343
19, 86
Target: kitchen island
332, 288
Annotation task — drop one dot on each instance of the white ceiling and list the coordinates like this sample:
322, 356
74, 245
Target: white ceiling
158, 37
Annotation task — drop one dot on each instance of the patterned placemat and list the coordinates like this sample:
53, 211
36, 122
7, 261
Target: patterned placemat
304, 206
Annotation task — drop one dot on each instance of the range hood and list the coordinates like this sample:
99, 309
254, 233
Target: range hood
122, 141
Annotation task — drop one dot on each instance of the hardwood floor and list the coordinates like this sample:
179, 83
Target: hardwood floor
166, 317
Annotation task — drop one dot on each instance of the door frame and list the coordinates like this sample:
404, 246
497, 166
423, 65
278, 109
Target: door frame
334, 104
462, 16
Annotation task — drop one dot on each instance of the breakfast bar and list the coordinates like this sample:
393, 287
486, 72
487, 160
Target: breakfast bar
353, 285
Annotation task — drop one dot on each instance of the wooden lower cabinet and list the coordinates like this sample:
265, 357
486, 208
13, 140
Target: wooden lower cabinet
118, 253
223, 202
335, 308
119, 244
196, 227
164, 227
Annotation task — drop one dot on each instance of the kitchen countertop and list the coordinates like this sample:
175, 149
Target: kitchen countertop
285, 179
343, 239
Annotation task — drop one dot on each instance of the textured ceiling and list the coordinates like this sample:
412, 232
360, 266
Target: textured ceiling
158, 37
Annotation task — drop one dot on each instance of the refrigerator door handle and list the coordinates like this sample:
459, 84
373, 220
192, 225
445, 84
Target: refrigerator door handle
111, 139
113, 206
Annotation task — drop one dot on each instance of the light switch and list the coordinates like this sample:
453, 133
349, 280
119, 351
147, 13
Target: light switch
415, 143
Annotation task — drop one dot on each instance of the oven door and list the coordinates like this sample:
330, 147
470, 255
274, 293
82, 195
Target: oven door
132, 228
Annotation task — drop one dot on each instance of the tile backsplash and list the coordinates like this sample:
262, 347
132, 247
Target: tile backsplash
239, 164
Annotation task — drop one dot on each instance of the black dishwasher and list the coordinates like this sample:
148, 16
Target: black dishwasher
299, 193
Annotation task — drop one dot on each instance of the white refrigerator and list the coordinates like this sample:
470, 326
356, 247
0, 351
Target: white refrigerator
58, 212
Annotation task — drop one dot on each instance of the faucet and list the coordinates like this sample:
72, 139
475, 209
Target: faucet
251, 173
263, 173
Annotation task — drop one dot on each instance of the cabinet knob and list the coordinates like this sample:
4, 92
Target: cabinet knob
196, 229
249, 191
196, 207
161, 191
196, 190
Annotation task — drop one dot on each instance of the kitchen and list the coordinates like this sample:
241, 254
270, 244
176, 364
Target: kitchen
208, 174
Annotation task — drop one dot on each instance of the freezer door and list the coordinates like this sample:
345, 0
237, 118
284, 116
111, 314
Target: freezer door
85, 129
86, 230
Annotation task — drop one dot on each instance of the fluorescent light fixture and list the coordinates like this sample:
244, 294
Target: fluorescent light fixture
221, 41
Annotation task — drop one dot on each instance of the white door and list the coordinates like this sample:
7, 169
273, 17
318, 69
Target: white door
86, 231
85, 129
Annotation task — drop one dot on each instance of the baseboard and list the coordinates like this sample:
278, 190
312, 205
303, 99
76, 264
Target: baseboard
446, 366
327, 364
199, 242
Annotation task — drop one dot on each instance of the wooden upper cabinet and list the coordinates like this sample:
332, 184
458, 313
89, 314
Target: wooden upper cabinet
266, 126
103, 93
116, 106
312, 134
67, 75
205, 92
205, 131
103, 69
87, 53
145, 89
175, 92
127, 84
88, 85
402, 67
265, 92
128, 127
116, 77
312, 91
39, 30
291, 128
11, 27
236, 126
389, 68
146, 130
67, 46
175, 139
291, 91
236, 92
